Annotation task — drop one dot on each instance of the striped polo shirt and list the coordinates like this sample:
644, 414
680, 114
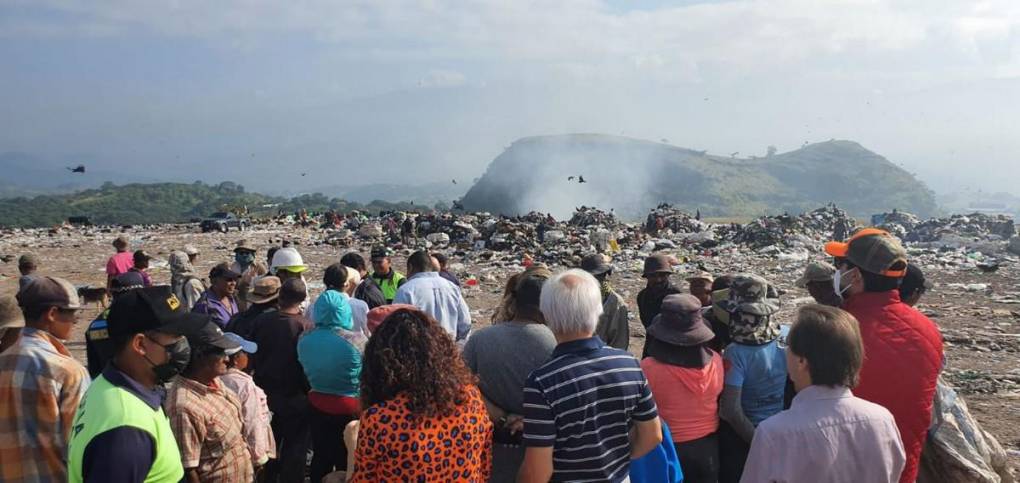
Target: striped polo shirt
582, 403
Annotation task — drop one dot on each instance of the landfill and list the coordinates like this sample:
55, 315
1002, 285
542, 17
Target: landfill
973, 262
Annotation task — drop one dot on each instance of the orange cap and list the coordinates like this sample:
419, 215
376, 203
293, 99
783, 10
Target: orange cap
839, 249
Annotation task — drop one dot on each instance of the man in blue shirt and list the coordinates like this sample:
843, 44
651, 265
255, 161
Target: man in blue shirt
434, 295
588, 411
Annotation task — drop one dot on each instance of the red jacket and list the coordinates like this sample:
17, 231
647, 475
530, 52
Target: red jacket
902, 360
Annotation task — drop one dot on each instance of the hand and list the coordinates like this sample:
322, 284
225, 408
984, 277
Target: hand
514, 423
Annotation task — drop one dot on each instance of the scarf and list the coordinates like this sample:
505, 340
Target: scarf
606, 289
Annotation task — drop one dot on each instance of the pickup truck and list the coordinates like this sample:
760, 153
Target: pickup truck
223, 221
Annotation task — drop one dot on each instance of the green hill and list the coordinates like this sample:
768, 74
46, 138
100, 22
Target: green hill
165, 203
631, 176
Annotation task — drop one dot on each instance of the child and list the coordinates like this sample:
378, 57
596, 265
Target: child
755, 378
254, 407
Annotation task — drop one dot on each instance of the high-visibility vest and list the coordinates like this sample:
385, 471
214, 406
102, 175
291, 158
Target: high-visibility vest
389, 285
106, 407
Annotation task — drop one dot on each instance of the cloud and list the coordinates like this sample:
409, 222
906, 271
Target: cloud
746, 36
442, 78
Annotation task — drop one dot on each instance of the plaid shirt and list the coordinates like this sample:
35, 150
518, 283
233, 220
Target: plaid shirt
206, 420
40, 386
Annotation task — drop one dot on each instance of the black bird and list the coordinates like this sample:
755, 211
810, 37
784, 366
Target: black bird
570, 178
303, 174
78, 169
454, 181
458, 206
580, 179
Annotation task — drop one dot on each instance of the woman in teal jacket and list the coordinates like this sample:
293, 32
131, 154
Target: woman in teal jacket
331, 357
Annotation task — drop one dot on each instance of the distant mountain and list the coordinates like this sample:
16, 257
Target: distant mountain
631, 176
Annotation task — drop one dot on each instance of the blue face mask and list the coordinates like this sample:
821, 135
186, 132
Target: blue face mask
244, 258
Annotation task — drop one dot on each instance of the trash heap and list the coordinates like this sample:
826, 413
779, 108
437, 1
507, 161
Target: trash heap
898, 223
806, 231
976, 225
590, 216
666, 217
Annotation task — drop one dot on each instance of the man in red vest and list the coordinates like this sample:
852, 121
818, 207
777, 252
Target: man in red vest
902, 347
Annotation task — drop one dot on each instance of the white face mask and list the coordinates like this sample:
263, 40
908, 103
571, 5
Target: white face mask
837, 279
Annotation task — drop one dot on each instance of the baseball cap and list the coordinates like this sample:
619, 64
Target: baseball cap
10, 315
702, 275
245, 344
876, 252
223, 271
152, 308
816, 272
212, 335
49, 292
127, 281
380, 252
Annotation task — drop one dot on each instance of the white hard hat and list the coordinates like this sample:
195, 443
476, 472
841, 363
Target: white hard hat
288, 259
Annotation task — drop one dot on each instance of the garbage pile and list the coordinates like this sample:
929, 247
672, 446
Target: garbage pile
975, 225
591, 216
666, 217
898, 223
805, 231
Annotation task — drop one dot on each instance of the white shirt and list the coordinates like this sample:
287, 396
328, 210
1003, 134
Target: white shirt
827, 435
439, 298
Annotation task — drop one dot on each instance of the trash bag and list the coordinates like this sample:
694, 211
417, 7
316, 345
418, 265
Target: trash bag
957, 449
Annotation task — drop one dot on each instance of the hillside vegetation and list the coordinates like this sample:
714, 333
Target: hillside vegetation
165, 203
631, 176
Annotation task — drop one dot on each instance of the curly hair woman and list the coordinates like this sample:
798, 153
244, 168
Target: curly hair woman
424, 419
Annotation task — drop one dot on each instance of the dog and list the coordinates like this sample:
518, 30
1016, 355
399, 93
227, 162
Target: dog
96, 295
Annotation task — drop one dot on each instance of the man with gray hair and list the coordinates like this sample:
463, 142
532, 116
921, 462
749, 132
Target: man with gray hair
588, 411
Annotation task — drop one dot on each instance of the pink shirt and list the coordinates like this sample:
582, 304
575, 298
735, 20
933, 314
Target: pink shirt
120, 263
255, 413
826, 435
687, 397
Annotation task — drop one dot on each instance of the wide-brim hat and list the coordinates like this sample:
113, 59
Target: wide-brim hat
264, 289
243, 246
656, 264
680, 322
595, 264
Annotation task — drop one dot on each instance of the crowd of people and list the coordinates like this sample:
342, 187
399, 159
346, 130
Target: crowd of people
242, 376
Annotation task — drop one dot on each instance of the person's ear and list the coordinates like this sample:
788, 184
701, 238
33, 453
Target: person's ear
138, 344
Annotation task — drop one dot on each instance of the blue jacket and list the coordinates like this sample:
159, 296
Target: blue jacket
660, 465
331, 363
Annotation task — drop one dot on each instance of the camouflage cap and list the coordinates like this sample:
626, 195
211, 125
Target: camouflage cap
749, 294
816, 272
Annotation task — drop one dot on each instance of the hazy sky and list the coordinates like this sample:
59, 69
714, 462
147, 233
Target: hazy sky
368, 91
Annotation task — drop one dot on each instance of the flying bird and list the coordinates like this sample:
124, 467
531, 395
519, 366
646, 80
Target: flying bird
580, 179
734, 154
454, 181
78, 169
570, 178
303, 174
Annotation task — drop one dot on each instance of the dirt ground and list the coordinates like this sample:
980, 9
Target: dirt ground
981, 328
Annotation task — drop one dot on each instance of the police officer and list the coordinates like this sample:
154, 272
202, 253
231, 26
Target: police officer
388, 279
120, 432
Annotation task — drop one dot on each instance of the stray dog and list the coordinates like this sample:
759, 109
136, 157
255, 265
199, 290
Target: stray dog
96, 295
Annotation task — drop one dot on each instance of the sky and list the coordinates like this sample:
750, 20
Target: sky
353, 92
